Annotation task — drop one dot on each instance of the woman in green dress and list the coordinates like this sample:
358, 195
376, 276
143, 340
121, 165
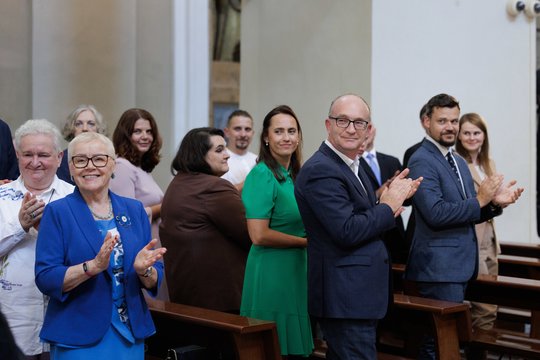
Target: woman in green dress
275, 282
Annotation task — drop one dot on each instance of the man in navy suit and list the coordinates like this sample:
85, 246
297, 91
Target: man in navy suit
381, 169
348, 265
409, 232
9, 169
444, 253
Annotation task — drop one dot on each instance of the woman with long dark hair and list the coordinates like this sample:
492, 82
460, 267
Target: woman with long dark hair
275, 284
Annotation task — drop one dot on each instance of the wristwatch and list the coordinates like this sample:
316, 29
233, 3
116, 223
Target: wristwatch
148, 272
85, 268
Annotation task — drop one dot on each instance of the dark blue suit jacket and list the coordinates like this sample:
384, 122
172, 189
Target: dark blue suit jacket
63, 169
444, 247
67, 236
348, 265
9, 168
394, 238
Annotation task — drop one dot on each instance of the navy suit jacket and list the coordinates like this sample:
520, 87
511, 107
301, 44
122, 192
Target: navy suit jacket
394, 238
348, 265
387, 164
9, 168
68, 236
444, 247
63, 169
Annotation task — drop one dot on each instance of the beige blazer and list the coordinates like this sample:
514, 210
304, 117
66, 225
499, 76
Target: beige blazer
484, 231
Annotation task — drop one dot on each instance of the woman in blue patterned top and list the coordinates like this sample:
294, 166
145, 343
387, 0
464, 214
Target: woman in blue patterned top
94, 255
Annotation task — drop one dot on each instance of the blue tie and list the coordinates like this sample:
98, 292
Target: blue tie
452, 164
374, 167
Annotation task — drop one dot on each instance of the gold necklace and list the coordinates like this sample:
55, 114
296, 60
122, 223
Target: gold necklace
100, 217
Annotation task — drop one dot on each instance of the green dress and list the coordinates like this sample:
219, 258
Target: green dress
275, 282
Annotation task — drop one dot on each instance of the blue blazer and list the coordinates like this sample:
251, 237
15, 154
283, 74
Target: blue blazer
444, 247
348, 265
68, 236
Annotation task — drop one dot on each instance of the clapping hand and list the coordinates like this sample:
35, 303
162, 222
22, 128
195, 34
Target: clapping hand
31, 211
400, 189
507, 194
148, 256
102, 259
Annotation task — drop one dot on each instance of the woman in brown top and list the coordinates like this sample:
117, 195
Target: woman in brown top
204, 226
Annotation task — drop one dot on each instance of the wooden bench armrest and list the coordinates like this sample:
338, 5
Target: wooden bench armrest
208, 318
251, 338
520, 248
506, 341
519, 260
429, 305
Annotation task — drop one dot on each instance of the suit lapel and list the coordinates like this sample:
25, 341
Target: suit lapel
124, 225
444, 163
475, 175
369, 173
346, 170
85, 221
369, 188
465, 174
384, 167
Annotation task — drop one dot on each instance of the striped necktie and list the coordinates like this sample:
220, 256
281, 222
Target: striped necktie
452, 163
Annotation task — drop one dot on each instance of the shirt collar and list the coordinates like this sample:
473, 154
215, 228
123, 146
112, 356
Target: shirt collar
443, 149
347, 160
53, 188
372, 151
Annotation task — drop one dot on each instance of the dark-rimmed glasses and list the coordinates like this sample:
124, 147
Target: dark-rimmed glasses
81, 161
343, 122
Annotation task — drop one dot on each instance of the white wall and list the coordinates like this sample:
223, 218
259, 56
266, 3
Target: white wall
15, 61
476, 52
118, 55
83, 52
303, 54
397, 54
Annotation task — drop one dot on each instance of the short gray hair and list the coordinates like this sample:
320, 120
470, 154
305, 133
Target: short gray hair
88, 137
69, 127
36, 127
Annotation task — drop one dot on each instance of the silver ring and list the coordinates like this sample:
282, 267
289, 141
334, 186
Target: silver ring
32, 215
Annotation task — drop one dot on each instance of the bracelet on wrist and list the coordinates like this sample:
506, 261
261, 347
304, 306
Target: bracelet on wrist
147, 272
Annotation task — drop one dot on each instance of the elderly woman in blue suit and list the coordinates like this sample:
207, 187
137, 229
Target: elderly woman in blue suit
94, 255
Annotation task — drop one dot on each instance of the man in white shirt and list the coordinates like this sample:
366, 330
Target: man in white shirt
37, 145
239, 133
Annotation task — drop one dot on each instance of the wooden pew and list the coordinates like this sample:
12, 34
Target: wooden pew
507, 291
520, 249
519, 266
231, 336
449, 322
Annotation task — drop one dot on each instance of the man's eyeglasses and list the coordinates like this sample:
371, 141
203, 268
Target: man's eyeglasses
81, 161
343, 122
